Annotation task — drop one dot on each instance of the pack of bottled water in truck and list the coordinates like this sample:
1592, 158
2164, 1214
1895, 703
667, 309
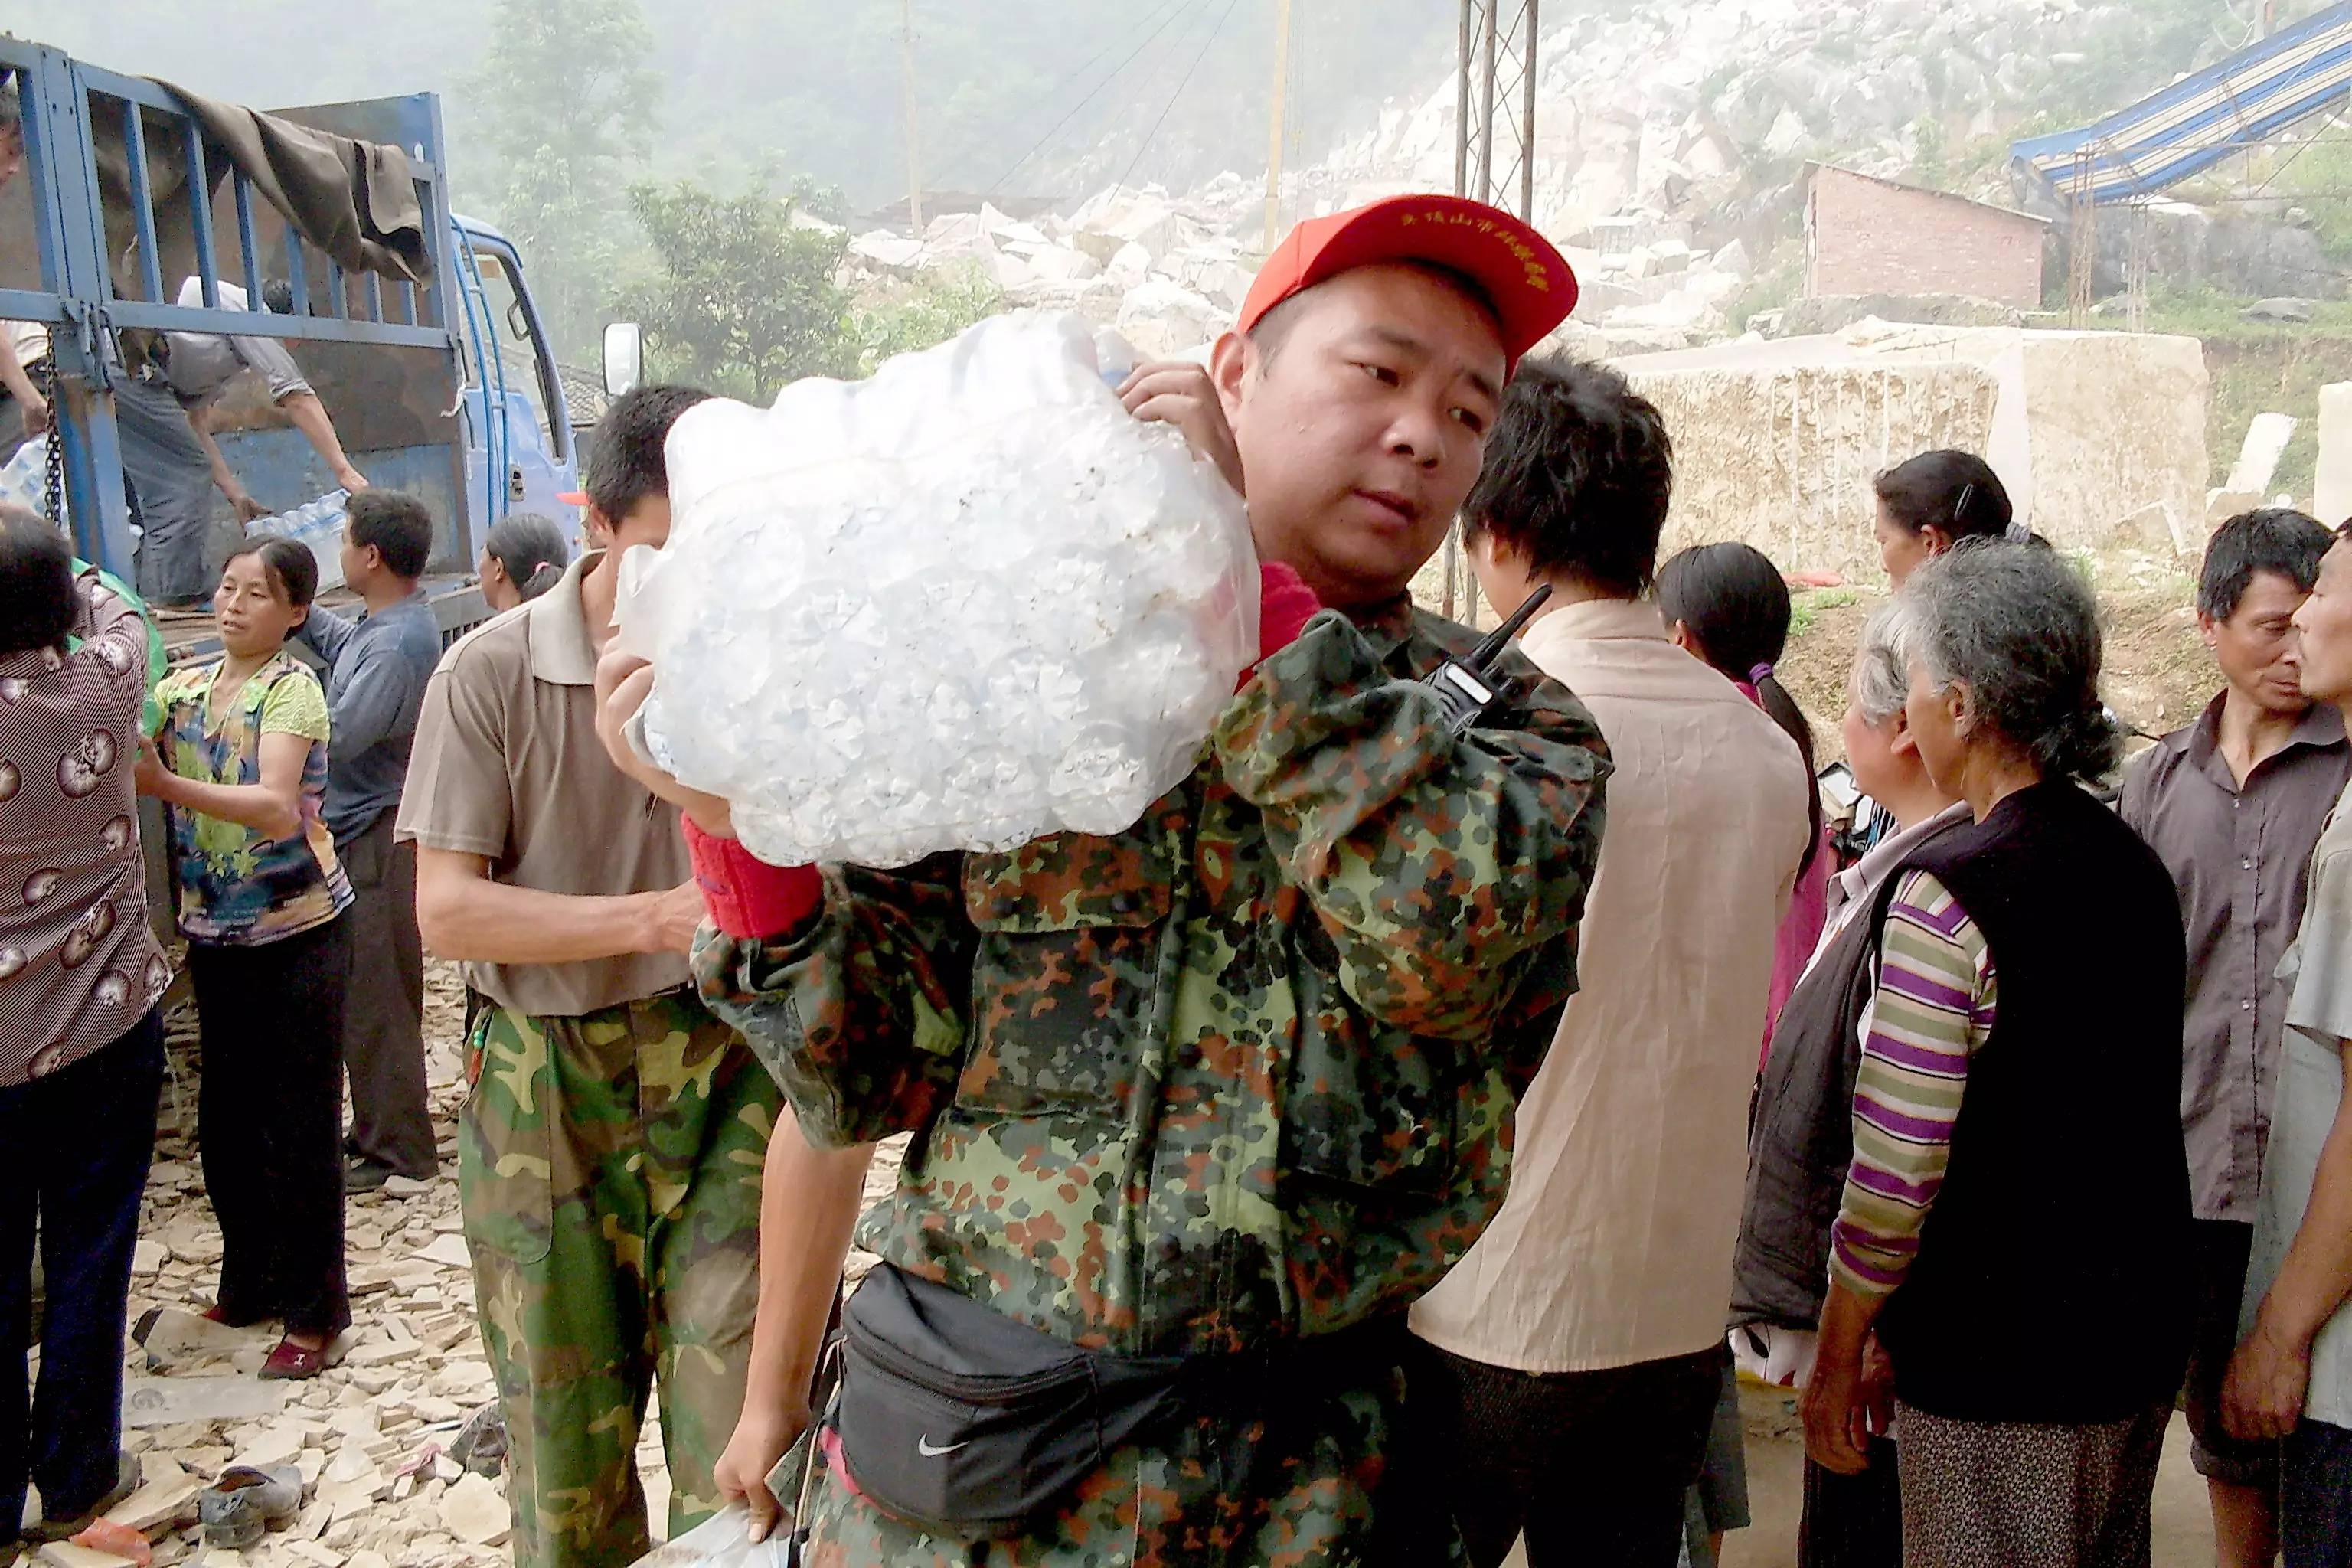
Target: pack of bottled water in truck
318, 524
963, 604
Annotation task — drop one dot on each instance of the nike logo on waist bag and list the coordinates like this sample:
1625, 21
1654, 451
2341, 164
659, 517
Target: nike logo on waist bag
924, 1446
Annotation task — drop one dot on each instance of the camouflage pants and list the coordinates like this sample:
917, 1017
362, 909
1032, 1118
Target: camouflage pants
610, 1167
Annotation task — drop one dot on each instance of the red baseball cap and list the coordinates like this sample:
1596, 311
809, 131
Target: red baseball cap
573, 497
1526, 278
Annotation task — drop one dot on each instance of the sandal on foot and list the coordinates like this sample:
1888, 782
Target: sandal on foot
237, 1509
127, 1477
290, 1361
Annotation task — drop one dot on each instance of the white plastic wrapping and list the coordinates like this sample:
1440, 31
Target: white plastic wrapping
963, 604
318, 526
722, 1541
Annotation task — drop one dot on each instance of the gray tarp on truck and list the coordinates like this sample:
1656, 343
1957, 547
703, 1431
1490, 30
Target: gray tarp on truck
354, 200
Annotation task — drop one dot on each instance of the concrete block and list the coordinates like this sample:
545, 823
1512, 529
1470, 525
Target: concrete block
2331, 499
2258, 458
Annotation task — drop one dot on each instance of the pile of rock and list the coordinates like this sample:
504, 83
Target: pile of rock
1163, 271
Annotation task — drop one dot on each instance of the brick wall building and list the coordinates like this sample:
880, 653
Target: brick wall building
1869, 235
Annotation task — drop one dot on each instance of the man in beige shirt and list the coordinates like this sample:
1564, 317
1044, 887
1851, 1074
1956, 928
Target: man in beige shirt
611, 1146
1570, 1365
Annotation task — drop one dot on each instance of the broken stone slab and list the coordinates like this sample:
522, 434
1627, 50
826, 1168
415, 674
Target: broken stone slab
159, 1505
407, 1186
2267, 436
66, 1555
475, 1510
447, 1250
163, 1401
312, 1521
276, 1444
148, 1257
378, 1352
2331, 498
170, 1332
349, 1465
157, 1467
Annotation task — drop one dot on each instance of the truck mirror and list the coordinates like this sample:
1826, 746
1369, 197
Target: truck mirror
625, 357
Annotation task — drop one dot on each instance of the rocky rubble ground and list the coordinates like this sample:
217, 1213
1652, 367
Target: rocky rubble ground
372, 1437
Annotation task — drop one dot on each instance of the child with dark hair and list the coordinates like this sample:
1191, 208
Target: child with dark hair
377, 665
1728, 605
1930, 503
242, 771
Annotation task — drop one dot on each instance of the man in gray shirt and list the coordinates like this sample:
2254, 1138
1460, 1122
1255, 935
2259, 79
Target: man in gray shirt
377, 667
2232, 805
164, 412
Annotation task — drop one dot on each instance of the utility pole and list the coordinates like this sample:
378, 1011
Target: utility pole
907, 76
1494, 162
1274, 132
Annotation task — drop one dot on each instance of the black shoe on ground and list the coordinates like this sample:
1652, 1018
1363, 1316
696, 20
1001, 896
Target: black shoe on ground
366, 1176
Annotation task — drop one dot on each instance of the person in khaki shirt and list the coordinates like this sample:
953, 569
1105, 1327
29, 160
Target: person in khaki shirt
1567, 1369
611, 1146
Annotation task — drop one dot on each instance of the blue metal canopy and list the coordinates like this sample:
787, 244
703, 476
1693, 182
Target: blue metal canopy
2291, 76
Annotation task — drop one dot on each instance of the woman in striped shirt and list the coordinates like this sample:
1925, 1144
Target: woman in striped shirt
2014, 1220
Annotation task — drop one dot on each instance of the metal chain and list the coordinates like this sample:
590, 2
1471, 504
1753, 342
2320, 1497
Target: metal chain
53, 500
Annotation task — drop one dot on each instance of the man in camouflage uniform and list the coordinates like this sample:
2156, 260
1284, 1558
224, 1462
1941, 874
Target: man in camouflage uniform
609, 1149
1243, 1075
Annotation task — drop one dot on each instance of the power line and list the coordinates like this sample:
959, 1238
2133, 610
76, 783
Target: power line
1053, 93
1181, 84
1175, 9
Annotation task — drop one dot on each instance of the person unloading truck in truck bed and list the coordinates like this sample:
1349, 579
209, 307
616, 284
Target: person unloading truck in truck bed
164, 411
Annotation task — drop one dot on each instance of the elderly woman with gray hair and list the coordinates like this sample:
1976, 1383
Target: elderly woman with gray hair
1803, 1136
2015, 1219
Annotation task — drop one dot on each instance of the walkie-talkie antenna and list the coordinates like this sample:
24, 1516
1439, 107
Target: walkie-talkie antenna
1468, 688
1500, 638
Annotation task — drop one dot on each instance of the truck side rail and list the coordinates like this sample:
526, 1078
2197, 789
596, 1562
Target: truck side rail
83, 299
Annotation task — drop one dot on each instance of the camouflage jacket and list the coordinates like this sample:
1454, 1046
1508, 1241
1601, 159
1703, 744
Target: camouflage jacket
1245, 1070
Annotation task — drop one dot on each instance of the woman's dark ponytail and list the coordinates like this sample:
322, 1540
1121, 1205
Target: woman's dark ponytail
1735, 604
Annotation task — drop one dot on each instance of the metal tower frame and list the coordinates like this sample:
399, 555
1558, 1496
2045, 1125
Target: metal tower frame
1495, 101
1494, 162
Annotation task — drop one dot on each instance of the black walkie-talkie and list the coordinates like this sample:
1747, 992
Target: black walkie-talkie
1468, 688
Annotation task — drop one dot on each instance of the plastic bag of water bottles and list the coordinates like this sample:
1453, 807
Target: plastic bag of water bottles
318, 524
24, 480
959, 606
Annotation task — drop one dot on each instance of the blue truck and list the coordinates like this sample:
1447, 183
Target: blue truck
441, 383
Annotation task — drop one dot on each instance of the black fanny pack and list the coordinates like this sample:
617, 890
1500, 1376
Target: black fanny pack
968, 1425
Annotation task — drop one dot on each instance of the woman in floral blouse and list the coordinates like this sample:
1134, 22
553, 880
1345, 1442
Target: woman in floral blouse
241, 765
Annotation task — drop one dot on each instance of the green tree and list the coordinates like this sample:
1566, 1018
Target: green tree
742, 299
564, 108
920, 316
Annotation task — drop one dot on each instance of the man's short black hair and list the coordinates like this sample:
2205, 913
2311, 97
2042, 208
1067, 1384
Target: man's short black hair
36, 591
626, 465
396, 523
2268, 539
1578, 471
